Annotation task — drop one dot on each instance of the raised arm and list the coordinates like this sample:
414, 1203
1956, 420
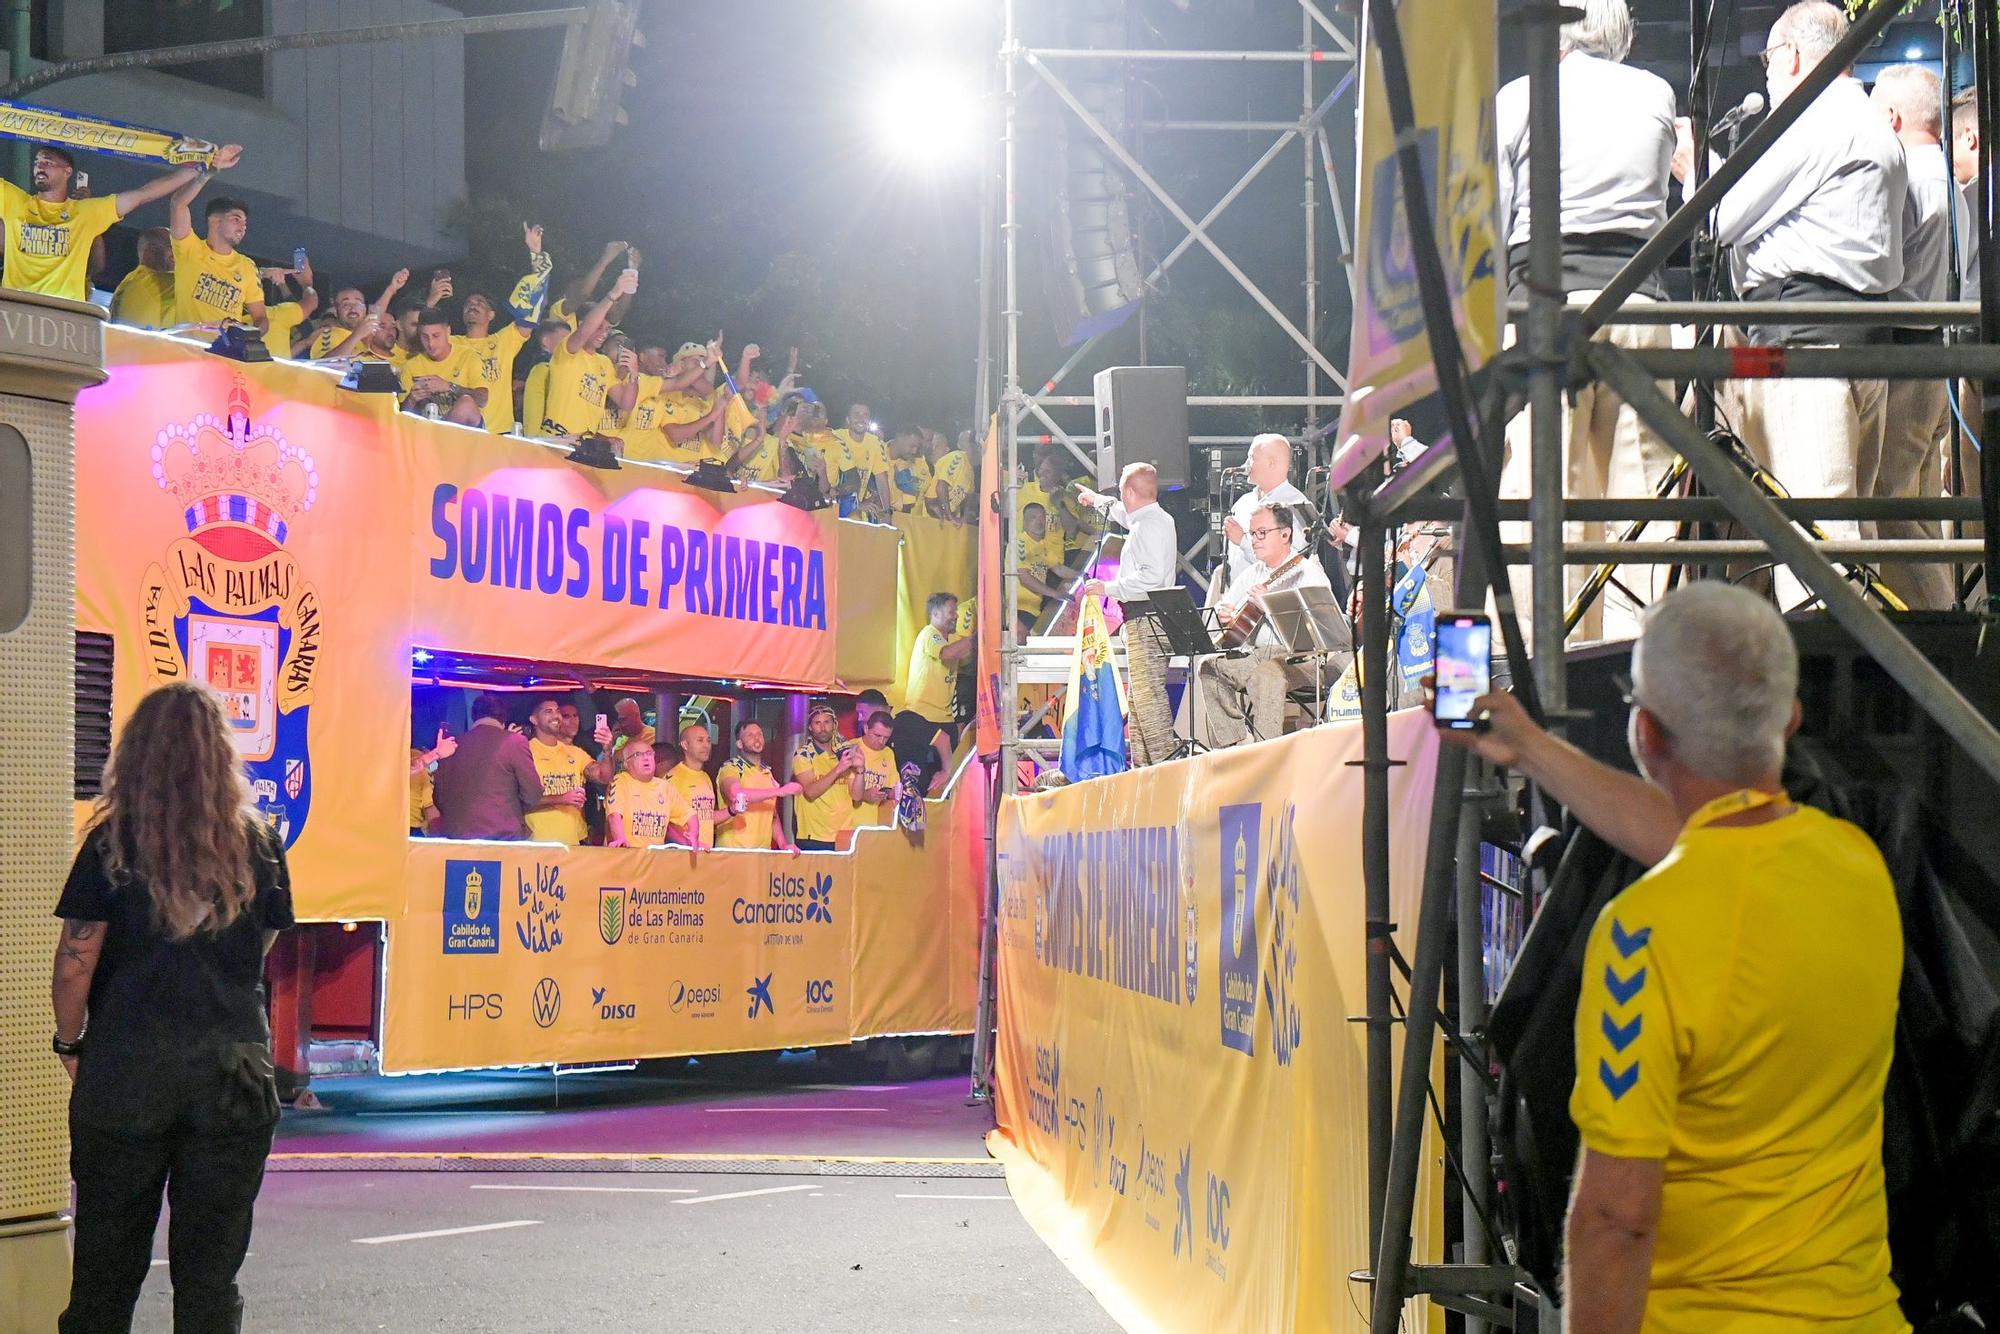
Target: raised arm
171, 182
600, 314
579, 291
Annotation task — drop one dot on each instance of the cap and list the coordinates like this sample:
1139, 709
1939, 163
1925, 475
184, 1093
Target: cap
687, 348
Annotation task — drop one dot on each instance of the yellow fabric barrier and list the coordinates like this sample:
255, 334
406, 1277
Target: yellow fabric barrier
1180, 1096
936, 557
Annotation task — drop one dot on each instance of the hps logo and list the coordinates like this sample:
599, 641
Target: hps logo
759, 992
547, 1002
474, 1005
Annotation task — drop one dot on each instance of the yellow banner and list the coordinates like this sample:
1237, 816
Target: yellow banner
1389, 358
936, 557
220, 514
46, 125
1180, 1094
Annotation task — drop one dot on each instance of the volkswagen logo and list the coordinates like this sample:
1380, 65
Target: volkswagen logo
547, 1002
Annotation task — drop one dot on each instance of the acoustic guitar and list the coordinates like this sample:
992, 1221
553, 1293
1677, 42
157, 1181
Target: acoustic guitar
1249, 618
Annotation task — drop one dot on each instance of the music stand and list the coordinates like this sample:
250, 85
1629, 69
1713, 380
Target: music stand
1309, 622
1189, 634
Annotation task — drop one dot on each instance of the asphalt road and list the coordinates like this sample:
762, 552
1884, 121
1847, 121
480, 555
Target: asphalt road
395, 1251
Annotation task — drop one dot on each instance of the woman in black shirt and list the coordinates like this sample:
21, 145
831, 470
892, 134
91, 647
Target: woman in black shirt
176, 894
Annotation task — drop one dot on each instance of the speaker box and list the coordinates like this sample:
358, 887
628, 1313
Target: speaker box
1142, 418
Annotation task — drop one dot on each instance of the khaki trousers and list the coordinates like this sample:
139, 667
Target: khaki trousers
1916, 422
1150, 731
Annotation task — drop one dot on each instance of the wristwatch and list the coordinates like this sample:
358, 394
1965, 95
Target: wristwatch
62, 1048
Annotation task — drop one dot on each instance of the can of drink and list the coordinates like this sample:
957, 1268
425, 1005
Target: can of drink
740, 804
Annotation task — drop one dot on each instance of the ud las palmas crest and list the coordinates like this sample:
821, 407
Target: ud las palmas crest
229, 606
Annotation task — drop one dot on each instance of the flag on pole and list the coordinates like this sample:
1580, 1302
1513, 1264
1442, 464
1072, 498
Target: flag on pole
1093, 734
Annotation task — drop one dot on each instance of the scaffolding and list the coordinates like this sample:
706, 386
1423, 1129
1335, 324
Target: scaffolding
1556, 353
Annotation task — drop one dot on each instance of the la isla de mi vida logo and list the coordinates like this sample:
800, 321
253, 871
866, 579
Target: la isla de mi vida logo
229, 606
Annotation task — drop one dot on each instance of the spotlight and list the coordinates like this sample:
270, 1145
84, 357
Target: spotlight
710, 475
594, 451
927, 116
240, 342
372, 377
1913, 53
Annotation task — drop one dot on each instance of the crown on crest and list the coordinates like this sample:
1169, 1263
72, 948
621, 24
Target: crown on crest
227, 471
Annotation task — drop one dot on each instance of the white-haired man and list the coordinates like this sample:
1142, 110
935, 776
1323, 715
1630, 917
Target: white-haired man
1147, 564
1269, 467
1916, 413
1243, 698
1617, 126
1738, 1009
1819, 217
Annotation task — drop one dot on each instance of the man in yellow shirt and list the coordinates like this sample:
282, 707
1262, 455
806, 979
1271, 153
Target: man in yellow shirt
872, 786
953, 484
1738, 1010
579, 373
824, 809
691, 777
441, 370
214, 281
493, 349
283, 318
909, 471
934, 662
1039, 566
750, 793
641, 806
49, 233
563, 769
144, 299
860, 463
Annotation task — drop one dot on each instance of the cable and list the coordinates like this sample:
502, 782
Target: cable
1952, 397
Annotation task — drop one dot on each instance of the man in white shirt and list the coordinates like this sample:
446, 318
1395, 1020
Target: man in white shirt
1243, 698
1916, 413
1965, 170
1818, 217
1147, 564
1270, 468
1617, 141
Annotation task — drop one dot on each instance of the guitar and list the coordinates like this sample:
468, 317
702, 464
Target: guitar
1249, 618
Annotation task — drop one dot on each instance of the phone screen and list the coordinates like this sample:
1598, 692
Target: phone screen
298, 257
1464, 667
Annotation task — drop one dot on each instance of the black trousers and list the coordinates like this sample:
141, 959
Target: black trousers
140, 1128
816, 845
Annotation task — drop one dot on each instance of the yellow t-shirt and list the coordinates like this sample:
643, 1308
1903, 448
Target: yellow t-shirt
952, 480
285, 319
459, 367
752, 829
929, 687
561, 767
867, 455
1036, 557
878, 769
644, 440
819, 447
1737, 1020
576, 385
48, 245
535, 399
143, 299
832, 812
423, 790
210, 288
328, 338
646, 808
910, 480
491, 367
765, 465
698, 790
678, 409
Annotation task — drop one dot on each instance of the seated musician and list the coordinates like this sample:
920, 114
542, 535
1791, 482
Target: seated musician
1244, 696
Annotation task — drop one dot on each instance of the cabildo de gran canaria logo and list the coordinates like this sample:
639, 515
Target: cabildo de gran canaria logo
229, 606
1261, 891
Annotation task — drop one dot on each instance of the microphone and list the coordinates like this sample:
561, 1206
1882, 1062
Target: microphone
1753, 105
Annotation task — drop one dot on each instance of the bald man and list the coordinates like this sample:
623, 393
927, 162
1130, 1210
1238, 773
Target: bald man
1916, 413
1148, 564
1270, 471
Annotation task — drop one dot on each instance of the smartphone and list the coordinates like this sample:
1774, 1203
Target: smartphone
603, 721
298, 258
79, 182
1463, 667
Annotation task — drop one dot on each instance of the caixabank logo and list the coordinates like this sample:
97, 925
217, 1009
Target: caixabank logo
788, 906
1259, 959
229, 606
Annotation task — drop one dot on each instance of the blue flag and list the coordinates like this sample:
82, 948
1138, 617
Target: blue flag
1093, 735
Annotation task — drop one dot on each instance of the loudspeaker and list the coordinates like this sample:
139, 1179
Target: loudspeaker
1142, 418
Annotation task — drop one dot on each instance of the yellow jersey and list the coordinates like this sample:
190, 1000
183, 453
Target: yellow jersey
48, 245
819, 447
698, 790
866, 455
209, 287
752, 829
284, 320
878, 769
576, 385
1036, 557
535, 399
910, 480
952, 480
825, 817
328, 338
646, 808
143, 299
1737, 1019
678, 409
765, 465
423, 790
928, 689
491, 367
459, 367
644, 440
561, 767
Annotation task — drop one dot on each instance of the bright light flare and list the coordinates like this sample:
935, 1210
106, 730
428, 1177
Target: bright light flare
927, 116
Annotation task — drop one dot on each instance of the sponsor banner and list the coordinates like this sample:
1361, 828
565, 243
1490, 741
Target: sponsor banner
530, 953
522, 554
1389, 359
1180, 1095
218, 507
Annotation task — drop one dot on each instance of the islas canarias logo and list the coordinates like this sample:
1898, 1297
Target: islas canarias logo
229, 606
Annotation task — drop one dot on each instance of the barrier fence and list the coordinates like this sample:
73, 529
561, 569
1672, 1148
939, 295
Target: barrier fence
1181, 1091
